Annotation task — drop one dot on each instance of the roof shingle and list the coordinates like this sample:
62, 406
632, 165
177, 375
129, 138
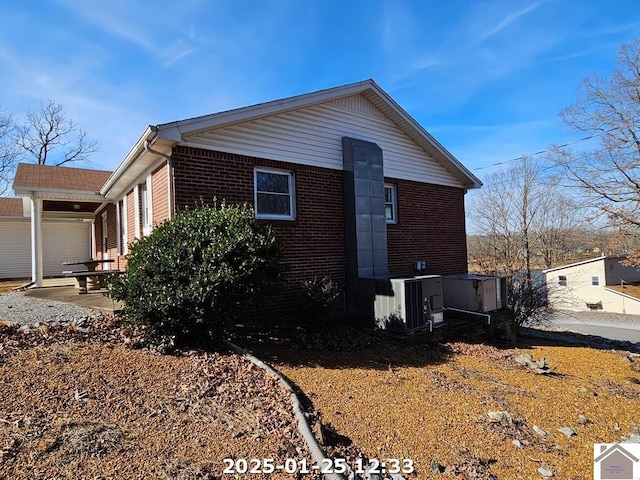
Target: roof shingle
60, 178
10, 207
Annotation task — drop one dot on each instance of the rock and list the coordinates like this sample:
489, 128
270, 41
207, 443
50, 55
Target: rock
503, 418
517, 443
588, 391
539, 431
567, 431
544, 472
538, 366
584, 419
82, 322
437, 468
80, 395
634, 434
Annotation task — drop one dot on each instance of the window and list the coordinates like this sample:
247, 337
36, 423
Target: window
390, 203
562, 280
144, 192
121, 226
593, 305
274, 194
595, 281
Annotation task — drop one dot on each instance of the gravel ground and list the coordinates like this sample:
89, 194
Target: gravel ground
15, 307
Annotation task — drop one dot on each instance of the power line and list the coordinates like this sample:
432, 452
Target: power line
547, 150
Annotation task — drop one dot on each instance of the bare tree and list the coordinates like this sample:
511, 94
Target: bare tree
608, 110
518, 227
555, 224
8, 151
49, 137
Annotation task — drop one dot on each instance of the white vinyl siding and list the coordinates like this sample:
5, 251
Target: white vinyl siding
61, 242
313, 136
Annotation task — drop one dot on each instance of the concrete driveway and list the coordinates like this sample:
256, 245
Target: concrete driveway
611, 326
93, 299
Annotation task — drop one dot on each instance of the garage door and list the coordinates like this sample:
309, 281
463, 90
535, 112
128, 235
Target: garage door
61, 242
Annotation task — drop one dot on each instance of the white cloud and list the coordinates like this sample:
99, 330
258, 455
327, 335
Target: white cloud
508, 20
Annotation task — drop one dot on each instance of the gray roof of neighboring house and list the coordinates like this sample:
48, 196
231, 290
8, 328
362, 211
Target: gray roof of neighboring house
583, 262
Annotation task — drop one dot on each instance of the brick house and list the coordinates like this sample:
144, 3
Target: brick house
352, 185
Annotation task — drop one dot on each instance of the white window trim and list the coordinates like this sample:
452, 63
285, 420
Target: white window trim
597, 279
136, 210
125, 227
121, 225
394, 203
292, 196
148, 225
118, 229
566, 281
104, 241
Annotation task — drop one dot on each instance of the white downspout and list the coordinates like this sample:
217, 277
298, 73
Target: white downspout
36, 240
147, 148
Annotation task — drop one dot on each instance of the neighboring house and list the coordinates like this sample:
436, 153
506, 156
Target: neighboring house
594, 284
351, 184
67, 199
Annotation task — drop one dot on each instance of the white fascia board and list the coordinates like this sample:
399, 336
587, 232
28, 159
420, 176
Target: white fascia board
192, 126
59, 194
136, 164
26, 206
412, 123
134, 153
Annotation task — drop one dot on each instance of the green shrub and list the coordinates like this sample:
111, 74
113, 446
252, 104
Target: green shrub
189, 278
320, 297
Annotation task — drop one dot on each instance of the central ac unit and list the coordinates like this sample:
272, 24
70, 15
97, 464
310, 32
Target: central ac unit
405, 304
475, 293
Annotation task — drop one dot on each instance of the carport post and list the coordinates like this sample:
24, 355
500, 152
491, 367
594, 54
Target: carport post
36, 240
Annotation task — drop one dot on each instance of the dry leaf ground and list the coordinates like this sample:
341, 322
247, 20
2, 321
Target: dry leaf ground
84, 405
407, 402
80, 404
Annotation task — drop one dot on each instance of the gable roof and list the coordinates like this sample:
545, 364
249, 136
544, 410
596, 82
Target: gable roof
41, 178
10, 207
584, 262
156, 141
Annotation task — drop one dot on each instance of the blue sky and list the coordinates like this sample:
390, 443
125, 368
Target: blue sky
487, 79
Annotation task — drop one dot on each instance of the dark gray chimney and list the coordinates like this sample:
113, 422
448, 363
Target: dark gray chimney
364, 214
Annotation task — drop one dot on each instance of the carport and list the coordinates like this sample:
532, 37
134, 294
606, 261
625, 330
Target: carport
56, 214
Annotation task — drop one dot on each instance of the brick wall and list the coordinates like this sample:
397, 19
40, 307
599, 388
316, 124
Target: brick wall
131, 217
160, 195
431, 227
430, 224
112, 239
313, 242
